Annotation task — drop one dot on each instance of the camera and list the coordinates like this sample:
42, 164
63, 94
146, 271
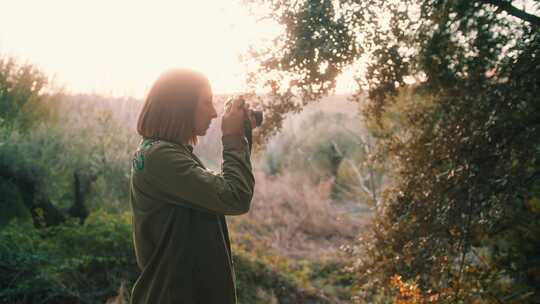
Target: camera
257, 116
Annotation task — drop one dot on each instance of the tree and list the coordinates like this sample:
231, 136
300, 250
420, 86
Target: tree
26, 96
462, 221
27, 100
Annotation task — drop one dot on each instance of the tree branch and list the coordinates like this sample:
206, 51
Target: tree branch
514, 11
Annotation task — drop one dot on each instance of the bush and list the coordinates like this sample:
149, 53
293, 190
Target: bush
73, 263
26, 96
86, 139
67, 263
322, 146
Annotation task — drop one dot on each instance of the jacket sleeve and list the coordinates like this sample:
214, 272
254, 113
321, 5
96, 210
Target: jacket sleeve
177, 176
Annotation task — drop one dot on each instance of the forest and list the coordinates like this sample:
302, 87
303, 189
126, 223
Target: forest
423, 186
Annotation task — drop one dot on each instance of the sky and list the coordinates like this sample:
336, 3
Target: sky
119, 47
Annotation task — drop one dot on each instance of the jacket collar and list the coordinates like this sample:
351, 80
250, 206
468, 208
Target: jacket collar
147, 142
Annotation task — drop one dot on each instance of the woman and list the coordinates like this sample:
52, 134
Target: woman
179, 229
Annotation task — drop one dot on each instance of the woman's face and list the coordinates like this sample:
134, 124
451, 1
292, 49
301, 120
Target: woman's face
204, 112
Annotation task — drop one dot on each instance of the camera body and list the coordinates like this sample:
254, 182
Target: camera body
248, 127
257, 115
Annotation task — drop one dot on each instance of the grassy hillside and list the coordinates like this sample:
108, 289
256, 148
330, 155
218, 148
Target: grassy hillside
287, 249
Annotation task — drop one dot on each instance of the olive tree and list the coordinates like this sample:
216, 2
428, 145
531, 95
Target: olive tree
462, 220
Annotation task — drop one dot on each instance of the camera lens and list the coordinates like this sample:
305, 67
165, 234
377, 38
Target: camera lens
258, 117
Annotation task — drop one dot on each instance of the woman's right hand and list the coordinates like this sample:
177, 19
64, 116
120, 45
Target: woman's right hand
232, 122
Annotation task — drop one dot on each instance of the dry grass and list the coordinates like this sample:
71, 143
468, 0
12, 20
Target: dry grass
296, 218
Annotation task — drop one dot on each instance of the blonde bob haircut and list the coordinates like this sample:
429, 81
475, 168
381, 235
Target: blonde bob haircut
169, 109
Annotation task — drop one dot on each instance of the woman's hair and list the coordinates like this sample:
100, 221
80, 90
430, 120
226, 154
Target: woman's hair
169, 109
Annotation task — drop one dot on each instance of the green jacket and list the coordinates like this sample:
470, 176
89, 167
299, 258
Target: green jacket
179, 229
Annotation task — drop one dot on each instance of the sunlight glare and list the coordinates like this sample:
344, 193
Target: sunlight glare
118, 48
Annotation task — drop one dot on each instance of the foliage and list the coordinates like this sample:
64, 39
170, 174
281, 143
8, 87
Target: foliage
73, 263
309, 146
98, 133
26, 95
460, 221
16, 171
326, 145
86, 139
296, 218
257, 282
302, 63
296, 229
66, 263
87, 263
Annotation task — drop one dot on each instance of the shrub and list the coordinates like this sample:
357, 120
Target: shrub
26, 96
67, 263
72, 263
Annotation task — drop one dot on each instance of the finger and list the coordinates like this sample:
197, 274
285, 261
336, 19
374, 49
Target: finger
239, 103
228, 104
